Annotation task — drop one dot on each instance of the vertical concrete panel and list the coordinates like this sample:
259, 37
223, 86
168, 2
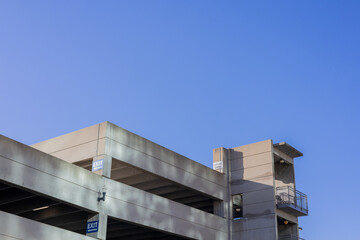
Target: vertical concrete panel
252, 175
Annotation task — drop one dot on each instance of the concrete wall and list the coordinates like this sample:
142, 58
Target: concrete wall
76, 146
249, 170
151, 157
136, 206
36, 171
13, 227
252, 175
31, 169
255, 228
108, 140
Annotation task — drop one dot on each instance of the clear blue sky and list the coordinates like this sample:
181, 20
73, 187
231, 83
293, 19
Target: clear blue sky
196, 75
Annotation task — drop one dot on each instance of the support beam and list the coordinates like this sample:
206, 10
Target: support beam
150, 157
30, 229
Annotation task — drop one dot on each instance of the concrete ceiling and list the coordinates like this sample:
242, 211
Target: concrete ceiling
43, 209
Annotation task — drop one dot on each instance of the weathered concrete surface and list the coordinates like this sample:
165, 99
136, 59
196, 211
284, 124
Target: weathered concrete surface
255, 174
151, 157
284, 175
76, 146
36, 171
252, 175
252, 170
127, 203
109, 140
32, 169
13, 227
260, 227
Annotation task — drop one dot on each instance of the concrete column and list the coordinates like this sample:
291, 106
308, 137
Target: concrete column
219, 208
221, 163
96, 226
97, 223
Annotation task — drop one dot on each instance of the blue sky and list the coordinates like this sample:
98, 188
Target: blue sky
197, 75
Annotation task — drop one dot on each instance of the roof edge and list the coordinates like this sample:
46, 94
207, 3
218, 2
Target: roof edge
288, 149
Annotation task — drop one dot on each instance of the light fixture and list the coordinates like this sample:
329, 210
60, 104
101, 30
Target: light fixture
40, 208
282, 161
286, 222
238, 209
300, 228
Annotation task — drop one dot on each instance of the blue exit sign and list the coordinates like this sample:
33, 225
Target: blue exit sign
97, 165
92, 227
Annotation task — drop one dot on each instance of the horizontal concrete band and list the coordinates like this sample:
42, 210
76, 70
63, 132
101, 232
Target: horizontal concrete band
111, 140
128, 203
166, 170
76, 146
15, 227
163, 154
34, 170
72, 139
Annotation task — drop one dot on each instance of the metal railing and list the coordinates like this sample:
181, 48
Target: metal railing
291, 196
290, 237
